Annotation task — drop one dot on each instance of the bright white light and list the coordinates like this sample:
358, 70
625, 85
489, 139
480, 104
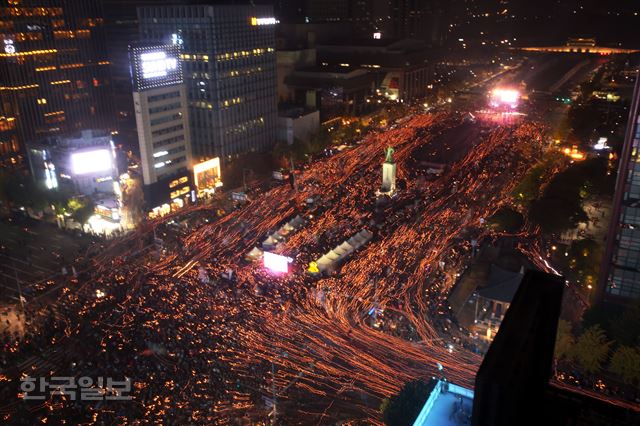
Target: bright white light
160, 154
276, 263
9, 47
601, 144
156, 64
159, 165
176, 39
508, 97
377, 36
91, 161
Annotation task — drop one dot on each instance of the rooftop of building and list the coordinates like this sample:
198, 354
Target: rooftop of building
327, 77
502, 285
294, 111
448, 405
81, 139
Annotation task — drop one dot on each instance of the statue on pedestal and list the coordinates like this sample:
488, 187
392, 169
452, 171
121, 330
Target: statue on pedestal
389, 155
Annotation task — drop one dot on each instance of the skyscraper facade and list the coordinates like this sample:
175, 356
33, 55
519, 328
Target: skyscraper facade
229, 63
620, 272
54, 72
160, 101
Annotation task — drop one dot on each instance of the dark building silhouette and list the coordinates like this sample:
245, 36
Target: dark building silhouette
512, 385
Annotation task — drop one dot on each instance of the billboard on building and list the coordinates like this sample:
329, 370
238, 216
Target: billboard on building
155, 65
99, 160
206, 175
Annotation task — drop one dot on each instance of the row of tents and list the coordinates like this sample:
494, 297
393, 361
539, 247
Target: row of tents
329, 262
272, 240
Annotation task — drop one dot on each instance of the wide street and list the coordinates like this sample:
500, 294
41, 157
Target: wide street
31, 250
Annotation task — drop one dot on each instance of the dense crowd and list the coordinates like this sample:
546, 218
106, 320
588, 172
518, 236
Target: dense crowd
206, 337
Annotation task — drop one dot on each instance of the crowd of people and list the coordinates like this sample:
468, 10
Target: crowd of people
206, 337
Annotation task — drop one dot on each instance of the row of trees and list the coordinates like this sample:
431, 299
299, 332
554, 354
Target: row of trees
560, 206
610, 338
592, 350
403, 408
18, 190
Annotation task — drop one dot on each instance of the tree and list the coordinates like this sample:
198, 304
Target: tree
591, 349
564, 340
506, 220
625, 362
584, 258
555, 215
529, 188
81, 209
402, 409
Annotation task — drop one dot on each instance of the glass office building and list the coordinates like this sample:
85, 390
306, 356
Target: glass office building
229, 63
54, 72
620, 273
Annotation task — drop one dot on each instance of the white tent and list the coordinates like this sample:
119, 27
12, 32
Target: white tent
340, 253
254, 254
344, 249
297, 222
269, 242
333, 256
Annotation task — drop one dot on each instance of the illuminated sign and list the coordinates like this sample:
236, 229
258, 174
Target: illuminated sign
174, 183
207, 174
377, 36
276, 263
157, 64
91, 161
179, 192
255, 21
9, 47
176, 39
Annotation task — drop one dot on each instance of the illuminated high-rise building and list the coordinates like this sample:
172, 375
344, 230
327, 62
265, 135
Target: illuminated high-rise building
229, 65
620, 272
160, 104
54, 72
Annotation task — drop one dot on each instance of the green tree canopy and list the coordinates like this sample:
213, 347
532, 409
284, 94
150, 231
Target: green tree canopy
506, 220
560, 207
625, 362
584, 258
564, 340
592, 349
81, 209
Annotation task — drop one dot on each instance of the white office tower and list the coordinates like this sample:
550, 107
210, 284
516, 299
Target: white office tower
160, 102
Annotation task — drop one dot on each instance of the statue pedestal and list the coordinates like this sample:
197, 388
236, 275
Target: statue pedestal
388, 179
